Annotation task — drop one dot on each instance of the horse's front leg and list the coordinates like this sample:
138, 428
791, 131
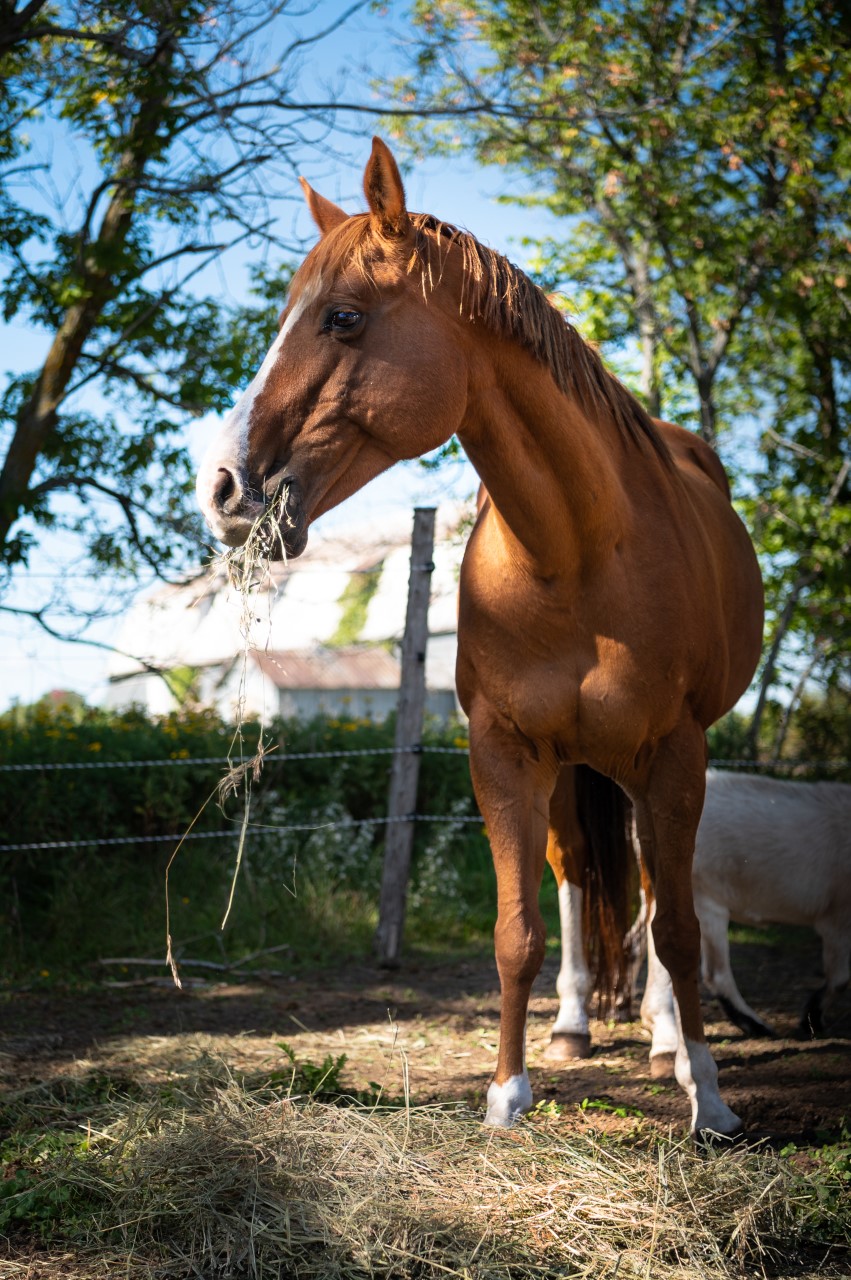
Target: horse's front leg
668, 809
513, 785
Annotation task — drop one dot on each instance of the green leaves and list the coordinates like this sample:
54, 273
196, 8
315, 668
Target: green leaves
701, 157
134, 151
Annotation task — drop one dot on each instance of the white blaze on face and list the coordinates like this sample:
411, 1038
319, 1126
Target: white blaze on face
229, 449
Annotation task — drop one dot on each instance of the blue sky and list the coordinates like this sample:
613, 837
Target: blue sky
459, 191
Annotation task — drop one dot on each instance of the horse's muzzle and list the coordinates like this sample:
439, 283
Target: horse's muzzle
238, 508
285, 505
231, 506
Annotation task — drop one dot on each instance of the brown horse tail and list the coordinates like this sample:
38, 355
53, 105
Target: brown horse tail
609, 883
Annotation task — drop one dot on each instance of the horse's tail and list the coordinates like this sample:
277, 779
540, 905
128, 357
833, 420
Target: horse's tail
605, 815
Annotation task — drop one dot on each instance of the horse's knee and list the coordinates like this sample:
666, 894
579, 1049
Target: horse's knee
520, 944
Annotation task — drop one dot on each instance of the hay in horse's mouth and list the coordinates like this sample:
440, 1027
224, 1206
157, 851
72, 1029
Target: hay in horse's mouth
265, 542
246, 567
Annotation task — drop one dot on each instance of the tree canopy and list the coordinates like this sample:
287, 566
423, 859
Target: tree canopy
140, 140
699, 151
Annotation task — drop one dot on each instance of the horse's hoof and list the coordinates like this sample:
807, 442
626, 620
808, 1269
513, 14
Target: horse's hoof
565, 1046
662, 1066
508, 1102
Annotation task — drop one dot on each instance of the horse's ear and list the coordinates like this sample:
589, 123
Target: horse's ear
325, 213
385, 195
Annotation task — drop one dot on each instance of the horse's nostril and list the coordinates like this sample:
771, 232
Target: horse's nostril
225, 489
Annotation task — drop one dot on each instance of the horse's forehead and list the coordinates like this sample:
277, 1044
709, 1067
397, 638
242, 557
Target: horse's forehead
350, 266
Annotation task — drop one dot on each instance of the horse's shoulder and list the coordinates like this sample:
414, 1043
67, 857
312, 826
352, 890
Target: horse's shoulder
691, 449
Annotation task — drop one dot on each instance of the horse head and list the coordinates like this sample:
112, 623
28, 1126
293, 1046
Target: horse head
366, 370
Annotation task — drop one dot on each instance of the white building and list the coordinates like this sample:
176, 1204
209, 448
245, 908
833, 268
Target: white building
321, 634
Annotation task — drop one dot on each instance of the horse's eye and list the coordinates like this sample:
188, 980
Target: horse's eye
342, 320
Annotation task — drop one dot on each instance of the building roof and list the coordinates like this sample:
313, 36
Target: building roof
298, 608
351, 667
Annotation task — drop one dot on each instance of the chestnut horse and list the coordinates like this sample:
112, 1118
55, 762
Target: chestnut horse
610, 600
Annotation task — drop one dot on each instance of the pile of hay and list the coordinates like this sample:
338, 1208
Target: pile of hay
218, 1180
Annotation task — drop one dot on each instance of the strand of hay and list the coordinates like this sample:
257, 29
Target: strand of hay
247, 568
221, 1181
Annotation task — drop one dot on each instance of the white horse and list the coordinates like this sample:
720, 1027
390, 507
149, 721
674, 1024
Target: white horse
766, 852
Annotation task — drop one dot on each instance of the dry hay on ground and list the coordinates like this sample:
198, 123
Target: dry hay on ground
213, 1178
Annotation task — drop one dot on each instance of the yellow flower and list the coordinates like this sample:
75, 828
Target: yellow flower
95, 746
44, 973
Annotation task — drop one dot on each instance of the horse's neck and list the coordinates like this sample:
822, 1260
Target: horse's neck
551, 471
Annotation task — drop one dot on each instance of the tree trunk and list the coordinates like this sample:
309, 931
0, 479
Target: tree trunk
646, 312
708, 428
37, 418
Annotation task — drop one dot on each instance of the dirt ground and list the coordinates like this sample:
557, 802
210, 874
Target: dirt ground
436, 1022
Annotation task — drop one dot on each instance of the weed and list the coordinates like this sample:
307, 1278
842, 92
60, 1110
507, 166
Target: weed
606, 1104
30, 1199
322, 1081
547, 1107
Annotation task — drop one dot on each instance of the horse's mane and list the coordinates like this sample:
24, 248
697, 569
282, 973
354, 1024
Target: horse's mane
503, 297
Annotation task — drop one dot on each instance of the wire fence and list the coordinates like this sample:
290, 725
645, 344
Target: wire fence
278, 757
46, 766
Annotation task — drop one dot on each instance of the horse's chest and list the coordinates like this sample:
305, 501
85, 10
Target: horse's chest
587, 695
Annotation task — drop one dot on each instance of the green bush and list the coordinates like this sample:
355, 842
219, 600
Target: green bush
312, 859
313, 889
817, 744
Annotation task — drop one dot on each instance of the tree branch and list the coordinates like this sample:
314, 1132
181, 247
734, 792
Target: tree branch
37, 615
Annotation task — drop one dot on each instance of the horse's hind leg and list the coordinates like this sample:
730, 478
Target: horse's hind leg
513, 788
717, 973
668, 807
566, 854
657, 1011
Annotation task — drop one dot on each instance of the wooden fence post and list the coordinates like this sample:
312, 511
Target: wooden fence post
405, 770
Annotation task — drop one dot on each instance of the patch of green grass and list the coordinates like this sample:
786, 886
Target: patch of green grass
769, 935
616, 1109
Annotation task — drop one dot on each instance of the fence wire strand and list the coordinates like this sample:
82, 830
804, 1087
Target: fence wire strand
279, 757
254, 829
